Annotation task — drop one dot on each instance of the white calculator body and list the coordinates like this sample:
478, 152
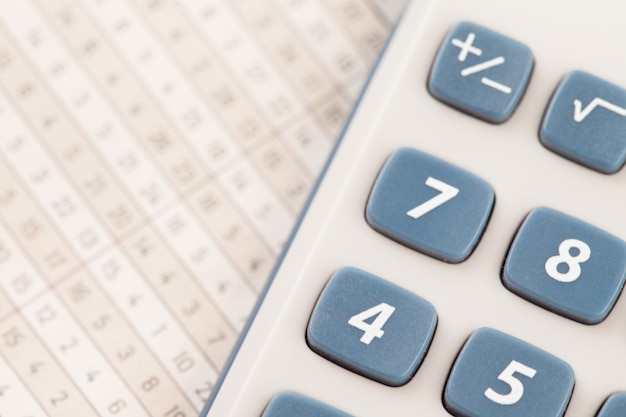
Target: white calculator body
463, 253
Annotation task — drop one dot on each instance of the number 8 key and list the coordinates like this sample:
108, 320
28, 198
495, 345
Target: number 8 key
566, 265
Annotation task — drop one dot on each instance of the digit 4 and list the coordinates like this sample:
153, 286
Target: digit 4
372, 330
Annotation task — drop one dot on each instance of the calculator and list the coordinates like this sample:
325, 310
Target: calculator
463, 253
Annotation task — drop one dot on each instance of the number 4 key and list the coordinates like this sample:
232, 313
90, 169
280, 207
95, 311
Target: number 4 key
371, 326
381, 313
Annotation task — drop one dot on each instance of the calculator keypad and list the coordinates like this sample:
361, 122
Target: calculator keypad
289, 404
430, 205
566, 265
555, 261
371, 326
497, 375
481, 72
586, 122
381, 331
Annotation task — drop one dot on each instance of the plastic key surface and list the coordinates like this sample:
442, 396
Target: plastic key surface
614, 406
371, 326
430, 205
566, 265
586, 122
481, 72
498, 375
288, 404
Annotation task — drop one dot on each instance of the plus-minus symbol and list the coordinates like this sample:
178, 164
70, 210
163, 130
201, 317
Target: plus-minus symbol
467, 47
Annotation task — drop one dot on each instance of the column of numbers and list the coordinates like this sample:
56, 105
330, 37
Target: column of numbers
202, 65
168, 19
121, 16
240, 105
80, 358
36, 368
158, 329
67, 342
175, 284
64, 338
29, 357
31, 229
224, 31
82, 164
124, 349
253, 258
128, 334
327, 41
283, 45
266, 212
18, 277
207, 262
146, 119
107, 132
110, 15
58, 197
171, 89
289, 50
185, 358
73, 17
211, 79
306, 75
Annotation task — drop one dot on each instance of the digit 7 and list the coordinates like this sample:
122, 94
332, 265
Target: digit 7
447, 192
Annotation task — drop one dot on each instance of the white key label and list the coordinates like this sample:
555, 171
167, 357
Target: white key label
447, 192
372, 330
516, 387
572, 262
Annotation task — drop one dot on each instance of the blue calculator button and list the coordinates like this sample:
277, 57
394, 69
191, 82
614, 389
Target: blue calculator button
430, 205
566, 265
497, 375
481, 72
371, 326
288, 404
614, 406
586, 122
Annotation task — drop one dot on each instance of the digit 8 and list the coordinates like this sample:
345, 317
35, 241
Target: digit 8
565, 257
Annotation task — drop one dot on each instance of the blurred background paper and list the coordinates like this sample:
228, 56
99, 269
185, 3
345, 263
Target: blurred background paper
154, 155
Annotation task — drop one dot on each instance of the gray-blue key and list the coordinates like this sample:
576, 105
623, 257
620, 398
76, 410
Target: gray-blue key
288, 404
481, 72
371, 326
498, 375
614, 406
430, 205
566, 265
586, 122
